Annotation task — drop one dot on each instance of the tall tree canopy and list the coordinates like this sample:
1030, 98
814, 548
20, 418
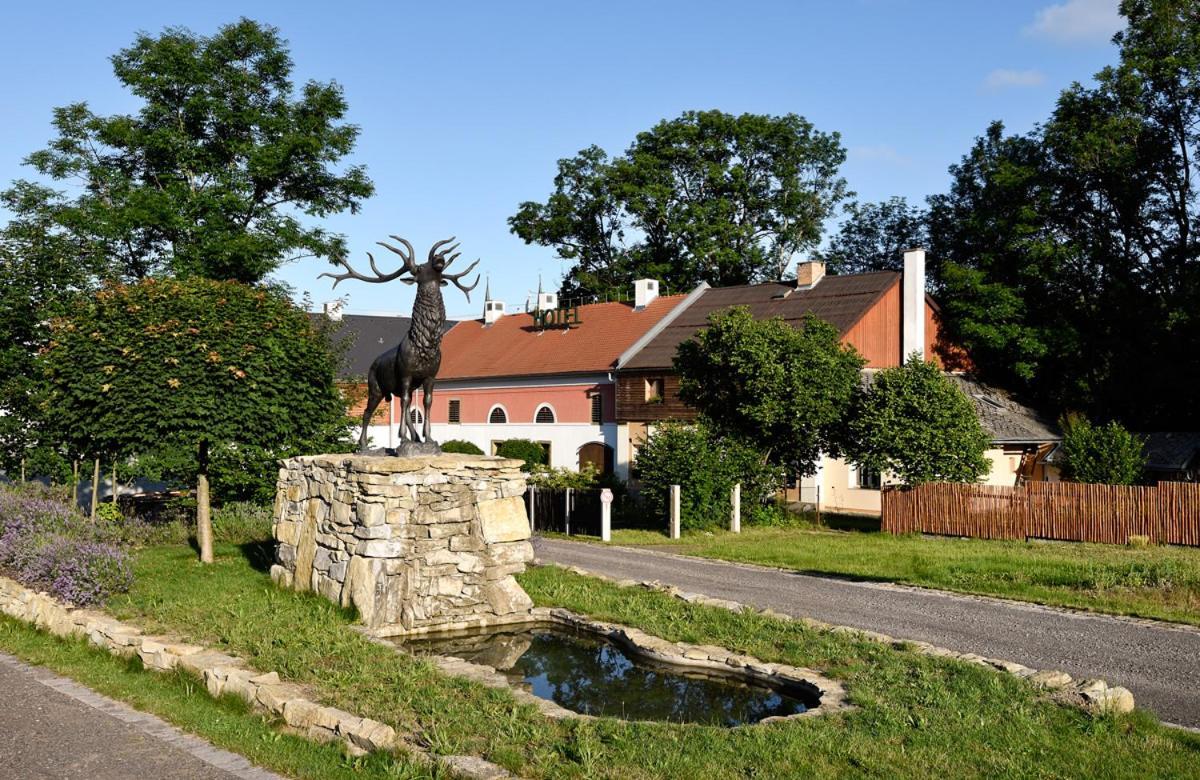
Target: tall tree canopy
192, 365
786, 390
873, 237
705, 197
209, 176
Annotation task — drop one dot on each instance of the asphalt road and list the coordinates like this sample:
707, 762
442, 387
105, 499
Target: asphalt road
1158, 662
52, 728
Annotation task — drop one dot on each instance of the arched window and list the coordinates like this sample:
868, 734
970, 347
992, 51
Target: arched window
497, 416
417, 416
544, 414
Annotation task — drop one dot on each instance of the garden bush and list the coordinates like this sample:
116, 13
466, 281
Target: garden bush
45, 543
531, 452
461, 447
706, 467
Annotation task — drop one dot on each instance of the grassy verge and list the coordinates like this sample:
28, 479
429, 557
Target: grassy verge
916, 716
181, 699
1154, 582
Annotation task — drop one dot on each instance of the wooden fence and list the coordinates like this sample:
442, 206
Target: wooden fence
1167, 514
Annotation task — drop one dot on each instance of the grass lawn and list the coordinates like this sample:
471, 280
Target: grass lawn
916, 716
1154, 582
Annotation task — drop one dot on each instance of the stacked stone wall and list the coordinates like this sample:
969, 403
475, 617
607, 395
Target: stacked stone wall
414, 544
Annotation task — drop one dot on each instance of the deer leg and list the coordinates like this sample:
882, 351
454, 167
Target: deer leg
373, 399
405, 403
427, 399
412, 429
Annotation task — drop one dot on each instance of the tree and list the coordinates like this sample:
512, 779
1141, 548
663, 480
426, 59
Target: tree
873, 237
1105, 454
531, 452
706, 466
705, 197
915, 423
784, 389
209, 367
208, 177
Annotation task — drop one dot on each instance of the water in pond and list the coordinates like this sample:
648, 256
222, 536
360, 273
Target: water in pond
586, 674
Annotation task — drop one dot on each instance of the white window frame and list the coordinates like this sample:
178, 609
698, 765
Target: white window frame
538, 411
502, 409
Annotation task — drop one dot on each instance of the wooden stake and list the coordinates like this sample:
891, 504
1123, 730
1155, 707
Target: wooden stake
95, 487
204, 531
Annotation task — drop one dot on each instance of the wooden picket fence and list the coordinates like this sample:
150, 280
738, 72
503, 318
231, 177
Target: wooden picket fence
1167, 514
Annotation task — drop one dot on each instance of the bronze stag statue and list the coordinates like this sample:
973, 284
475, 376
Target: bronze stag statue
417, 358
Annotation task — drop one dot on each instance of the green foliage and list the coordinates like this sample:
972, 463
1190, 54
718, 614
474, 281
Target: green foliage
710, 197
210, 174
559, 479
1105, 454
873, 237
785, 389
161, 366
531, 452
243, 522
706, 466
461, 447
917, 425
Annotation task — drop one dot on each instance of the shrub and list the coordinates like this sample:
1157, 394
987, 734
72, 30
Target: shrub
1106, 454
241, 522
558, 479
531, 452
461, 447
706, 467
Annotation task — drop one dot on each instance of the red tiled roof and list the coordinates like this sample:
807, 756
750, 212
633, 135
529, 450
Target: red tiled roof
513, 346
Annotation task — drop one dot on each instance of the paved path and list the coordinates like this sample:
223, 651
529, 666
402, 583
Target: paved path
1159, 662
52, 727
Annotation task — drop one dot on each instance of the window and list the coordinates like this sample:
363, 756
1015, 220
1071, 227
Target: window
597, 409
654, 389
455, 413
866, 479
497, 416
544, 414
417, 416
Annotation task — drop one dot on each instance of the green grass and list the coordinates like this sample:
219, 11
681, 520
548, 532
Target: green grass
916, 716
1155, 582
182, 700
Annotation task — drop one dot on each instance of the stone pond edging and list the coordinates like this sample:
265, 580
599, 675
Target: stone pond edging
711, 658
226, 674
1092, 695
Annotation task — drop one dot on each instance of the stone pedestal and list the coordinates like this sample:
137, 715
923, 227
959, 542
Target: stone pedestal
414, 544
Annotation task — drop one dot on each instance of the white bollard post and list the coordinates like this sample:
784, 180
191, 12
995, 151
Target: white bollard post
735, 514
606, 499
674, 528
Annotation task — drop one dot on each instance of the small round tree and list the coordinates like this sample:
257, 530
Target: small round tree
193, 365
1105, 454
916, 424
531, 452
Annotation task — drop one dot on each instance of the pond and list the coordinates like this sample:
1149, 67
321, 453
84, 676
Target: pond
585, 673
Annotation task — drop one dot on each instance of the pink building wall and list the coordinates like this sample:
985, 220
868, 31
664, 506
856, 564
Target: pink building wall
571, 403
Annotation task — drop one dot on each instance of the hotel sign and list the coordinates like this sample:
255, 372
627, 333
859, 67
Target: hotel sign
556, 318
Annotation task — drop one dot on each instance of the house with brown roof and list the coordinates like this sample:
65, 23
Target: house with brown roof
885, 316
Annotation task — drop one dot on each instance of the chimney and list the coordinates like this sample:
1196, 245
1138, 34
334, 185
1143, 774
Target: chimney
644, 292
912, 304
333, 309
547, 301
492, 311
808, 274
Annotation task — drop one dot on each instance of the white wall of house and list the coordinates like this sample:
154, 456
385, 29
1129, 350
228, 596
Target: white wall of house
565, 439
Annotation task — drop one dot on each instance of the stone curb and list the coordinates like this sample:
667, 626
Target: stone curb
226, 674
1093, 695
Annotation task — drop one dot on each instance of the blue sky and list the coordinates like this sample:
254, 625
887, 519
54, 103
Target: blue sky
466, 107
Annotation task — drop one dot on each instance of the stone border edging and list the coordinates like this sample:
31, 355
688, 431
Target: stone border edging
1093, 695
680, 654
226, 674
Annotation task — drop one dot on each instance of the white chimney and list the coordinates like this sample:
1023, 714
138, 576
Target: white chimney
333, 309
547, 301
644, 292
912, 304
492, 311
808, 274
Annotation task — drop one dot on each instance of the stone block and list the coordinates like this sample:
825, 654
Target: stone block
503, 520
506, 597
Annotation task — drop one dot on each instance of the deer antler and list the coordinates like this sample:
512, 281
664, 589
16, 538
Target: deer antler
409, 257
378, 278
455, 277
434, 254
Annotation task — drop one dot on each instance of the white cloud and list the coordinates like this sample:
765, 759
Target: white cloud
1006, 78
1077, 21
880, 153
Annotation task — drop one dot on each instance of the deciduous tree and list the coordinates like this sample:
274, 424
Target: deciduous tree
1106, 454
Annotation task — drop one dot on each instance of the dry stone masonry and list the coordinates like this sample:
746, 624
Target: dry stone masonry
414, 544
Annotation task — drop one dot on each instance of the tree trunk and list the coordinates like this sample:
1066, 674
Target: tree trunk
114, 493
204, 534
75, 481
95, 487
22, 469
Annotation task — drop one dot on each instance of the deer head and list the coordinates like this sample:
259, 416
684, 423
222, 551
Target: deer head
432, 271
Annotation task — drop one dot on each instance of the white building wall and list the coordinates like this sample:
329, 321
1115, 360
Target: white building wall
565, 439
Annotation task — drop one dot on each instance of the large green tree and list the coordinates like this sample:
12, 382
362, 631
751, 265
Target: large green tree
706, 197
1106, 454
218, 369
873, 237
213, 172
917, 425
784, 389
